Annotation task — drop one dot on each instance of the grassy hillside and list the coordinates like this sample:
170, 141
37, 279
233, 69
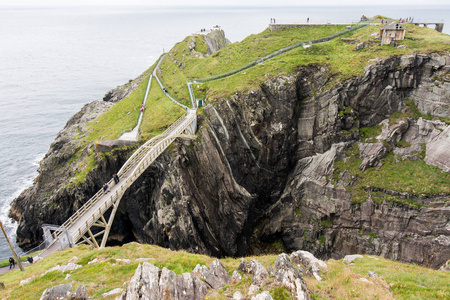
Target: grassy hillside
339, 54
340, 281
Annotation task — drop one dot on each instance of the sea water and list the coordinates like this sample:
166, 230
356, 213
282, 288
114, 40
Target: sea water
54, 60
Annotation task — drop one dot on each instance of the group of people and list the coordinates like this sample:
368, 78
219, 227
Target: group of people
272, 20
407, 20
12, 262
106, 187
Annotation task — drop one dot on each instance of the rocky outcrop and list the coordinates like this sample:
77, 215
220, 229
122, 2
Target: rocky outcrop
259, 174
149, 282
215, 40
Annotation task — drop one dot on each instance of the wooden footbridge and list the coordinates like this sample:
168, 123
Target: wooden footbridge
77, 229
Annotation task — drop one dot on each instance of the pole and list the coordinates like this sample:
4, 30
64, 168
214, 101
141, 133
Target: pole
12, 249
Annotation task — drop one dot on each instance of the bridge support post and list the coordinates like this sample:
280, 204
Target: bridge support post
109, 224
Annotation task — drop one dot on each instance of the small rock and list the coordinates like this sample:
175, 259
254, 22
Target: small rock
73, 260
365, 280
253, 289
112, 292
263, 296
25, 281
445, 267
244, 266
59, 291
238, 296
126, 261
350, 258
68, 277
402, 47
372, 274
236, 276
69, 267
94, 261
144, 259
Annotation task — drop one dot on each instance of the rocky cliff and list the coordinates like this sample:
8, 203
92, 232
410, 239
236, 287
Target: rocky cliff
262, 173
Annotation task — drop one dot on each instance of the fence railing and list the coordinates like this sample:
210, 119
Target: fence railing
279, 52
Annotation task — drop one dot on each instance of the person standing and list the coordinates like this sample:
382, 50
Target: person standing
116, 178
105, 188
12, 263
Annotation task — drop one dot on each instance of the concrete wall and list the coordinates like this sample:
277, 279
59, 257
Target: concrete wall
274, 27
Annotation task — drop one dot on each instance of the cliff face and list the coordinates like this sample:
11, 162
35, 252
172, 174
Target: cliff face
258, 175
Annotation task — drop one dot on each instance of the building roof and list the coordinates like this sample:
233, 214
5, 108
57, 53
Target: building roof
393, 26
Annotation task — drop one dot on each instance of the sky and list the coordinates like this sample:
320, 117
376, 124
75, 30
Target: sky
35, 3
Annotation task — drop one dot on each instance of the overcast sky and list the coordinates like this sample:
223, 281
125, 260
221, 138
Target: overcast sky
223, 3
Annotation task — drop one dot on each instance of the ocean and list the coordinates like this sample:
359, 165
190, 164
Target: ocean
53, 60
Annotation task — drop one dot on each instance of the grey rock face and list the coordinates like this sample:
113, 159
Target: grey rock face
59, 291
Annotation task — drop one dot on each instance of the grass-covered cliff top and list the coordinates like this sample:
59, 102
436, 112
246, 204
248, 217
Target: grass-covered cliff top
340, 281
339, 54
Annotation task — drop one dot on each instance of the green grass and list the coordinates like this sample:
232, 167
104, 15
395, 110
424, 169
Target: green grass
406, 281
340, 281
160, 112
413, 177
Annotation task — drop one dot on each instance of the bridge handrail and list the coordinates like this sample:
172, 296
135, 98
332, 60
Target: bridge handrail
139, 169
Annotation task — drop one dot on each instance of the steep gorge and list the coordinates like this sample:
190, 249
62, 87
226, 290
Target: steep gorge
258, 175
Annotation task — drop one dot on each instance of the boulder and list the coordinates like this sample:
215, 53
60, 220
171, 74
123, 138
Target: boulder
308, 262
290, 277
217, 275
258, 271
236, 276
244, 266
59, 291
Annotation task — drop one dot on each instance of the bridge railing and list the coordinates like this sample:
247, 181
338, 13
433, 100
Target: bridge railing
130, 164
139, 168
